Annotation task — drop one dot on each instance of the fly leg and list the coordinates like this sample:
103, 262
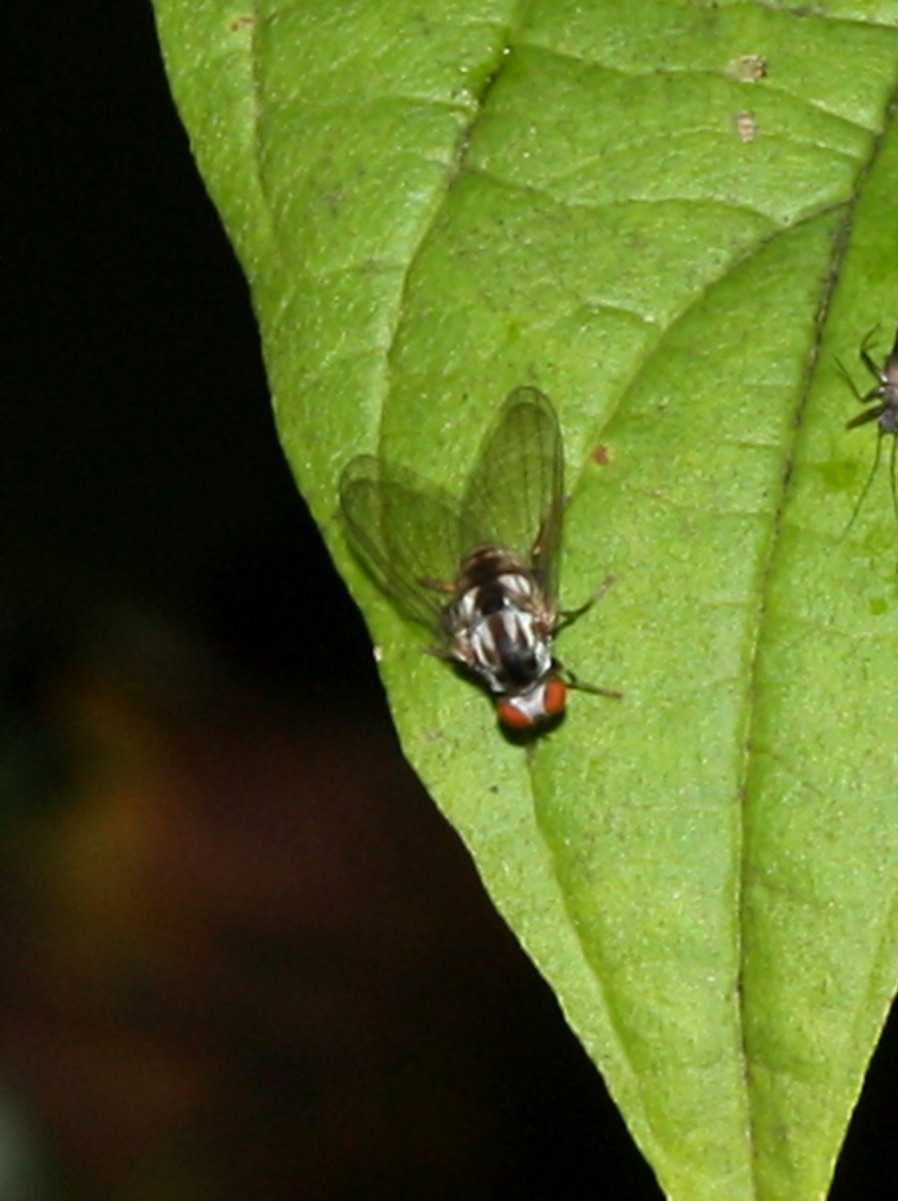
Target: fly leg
573, 681
567, 617
564, 673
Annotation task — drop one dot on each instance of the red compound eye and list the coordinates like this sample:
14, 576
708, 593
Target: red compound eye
555, 697
523, 712
510, 715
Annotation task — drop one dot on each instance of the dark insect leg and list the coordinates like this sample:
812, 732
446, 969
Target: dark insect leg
569, 616
573, 681
866, 487
847, 377
873, 414
864, 353
868, 341
875, 371
871, 366
874, 392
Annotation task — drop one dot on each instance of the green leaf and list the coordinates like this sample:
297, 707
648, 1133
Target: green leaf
672, 218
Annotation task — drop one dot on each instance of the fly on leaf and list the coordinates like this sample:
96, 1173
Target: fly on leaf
883, 401
480, 571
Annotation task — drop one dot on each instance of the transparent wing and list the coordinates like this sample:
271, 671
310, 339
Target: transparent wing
515, 491
406, 531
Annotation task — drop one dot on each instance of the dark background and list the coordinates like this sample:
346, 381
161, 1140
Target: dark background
241, 952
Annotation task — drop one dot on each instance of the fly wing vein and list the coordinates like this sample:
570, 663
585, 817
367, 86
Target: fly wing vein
516, 489
407, 533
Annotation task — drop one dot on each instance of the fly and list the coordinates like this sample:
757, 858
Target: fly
481, 572
883, 401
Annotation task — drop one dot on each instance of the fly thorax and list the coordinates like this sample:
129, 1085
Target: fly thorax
499, 629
